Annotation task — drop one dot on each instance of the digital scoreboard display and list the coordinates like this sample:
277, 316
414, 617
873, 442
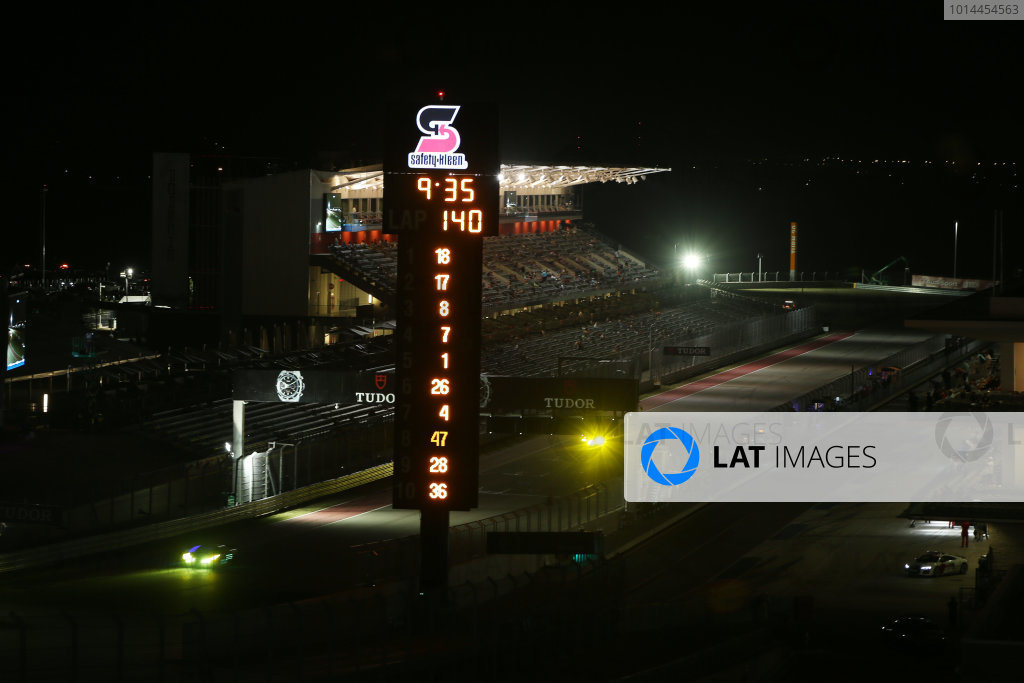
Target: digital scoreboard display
440, 198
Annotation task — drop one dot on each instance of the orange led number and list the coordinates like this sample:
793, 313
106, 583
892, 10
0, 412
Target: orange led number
454, 186
473, 222
423, 185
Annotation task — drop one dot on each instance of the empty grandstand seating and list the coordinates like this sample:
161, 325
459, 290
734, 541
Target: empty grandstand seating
203, 430
531, 343
519, 270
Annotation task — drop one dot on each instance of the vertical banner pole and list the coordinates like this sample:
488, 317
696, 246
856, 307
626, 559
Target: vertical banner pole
792, 251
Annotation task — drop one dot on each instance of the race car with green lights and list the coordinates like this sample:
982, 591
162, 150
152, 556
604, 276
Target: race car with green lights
207, 556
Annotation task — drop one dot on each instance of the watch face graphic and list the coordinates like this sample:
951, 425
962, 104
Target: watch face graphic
290, 386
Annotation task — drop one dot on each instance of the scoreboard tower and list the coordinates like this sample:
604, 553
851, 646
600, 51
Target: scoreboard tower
441, 198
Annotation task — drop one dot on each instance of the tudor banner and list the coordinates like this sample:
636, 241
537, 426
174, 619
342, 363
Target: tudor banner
557, 393
824, 457
313, 386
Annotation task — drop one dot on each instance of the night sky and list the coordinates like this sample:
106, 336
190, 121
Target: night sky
733, 104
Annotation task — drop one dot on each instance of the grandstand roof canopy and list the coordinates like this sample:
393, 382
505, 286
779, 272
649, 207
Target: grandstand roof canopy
512, 177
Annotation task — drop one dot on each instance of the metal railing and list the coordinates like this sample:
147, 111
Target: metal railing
778, 276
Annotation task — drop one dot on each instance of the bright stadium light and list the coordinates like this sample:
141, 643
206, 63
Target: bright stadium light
691, 261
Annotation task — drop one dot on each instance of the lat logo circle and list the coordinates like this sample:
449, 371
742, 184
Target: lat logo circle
689, 445
972, 430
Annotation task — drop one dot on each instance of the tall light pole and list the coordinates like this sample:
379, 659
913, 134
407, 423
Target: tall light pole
127, 275
44, 238
759, 267
956, 230
678, 264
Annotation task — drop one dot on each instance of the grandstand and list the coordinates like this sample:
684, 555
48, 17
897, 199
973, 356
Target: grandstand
566, 292
556, 294
619, 326
518, 270
551, 298
557, 297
